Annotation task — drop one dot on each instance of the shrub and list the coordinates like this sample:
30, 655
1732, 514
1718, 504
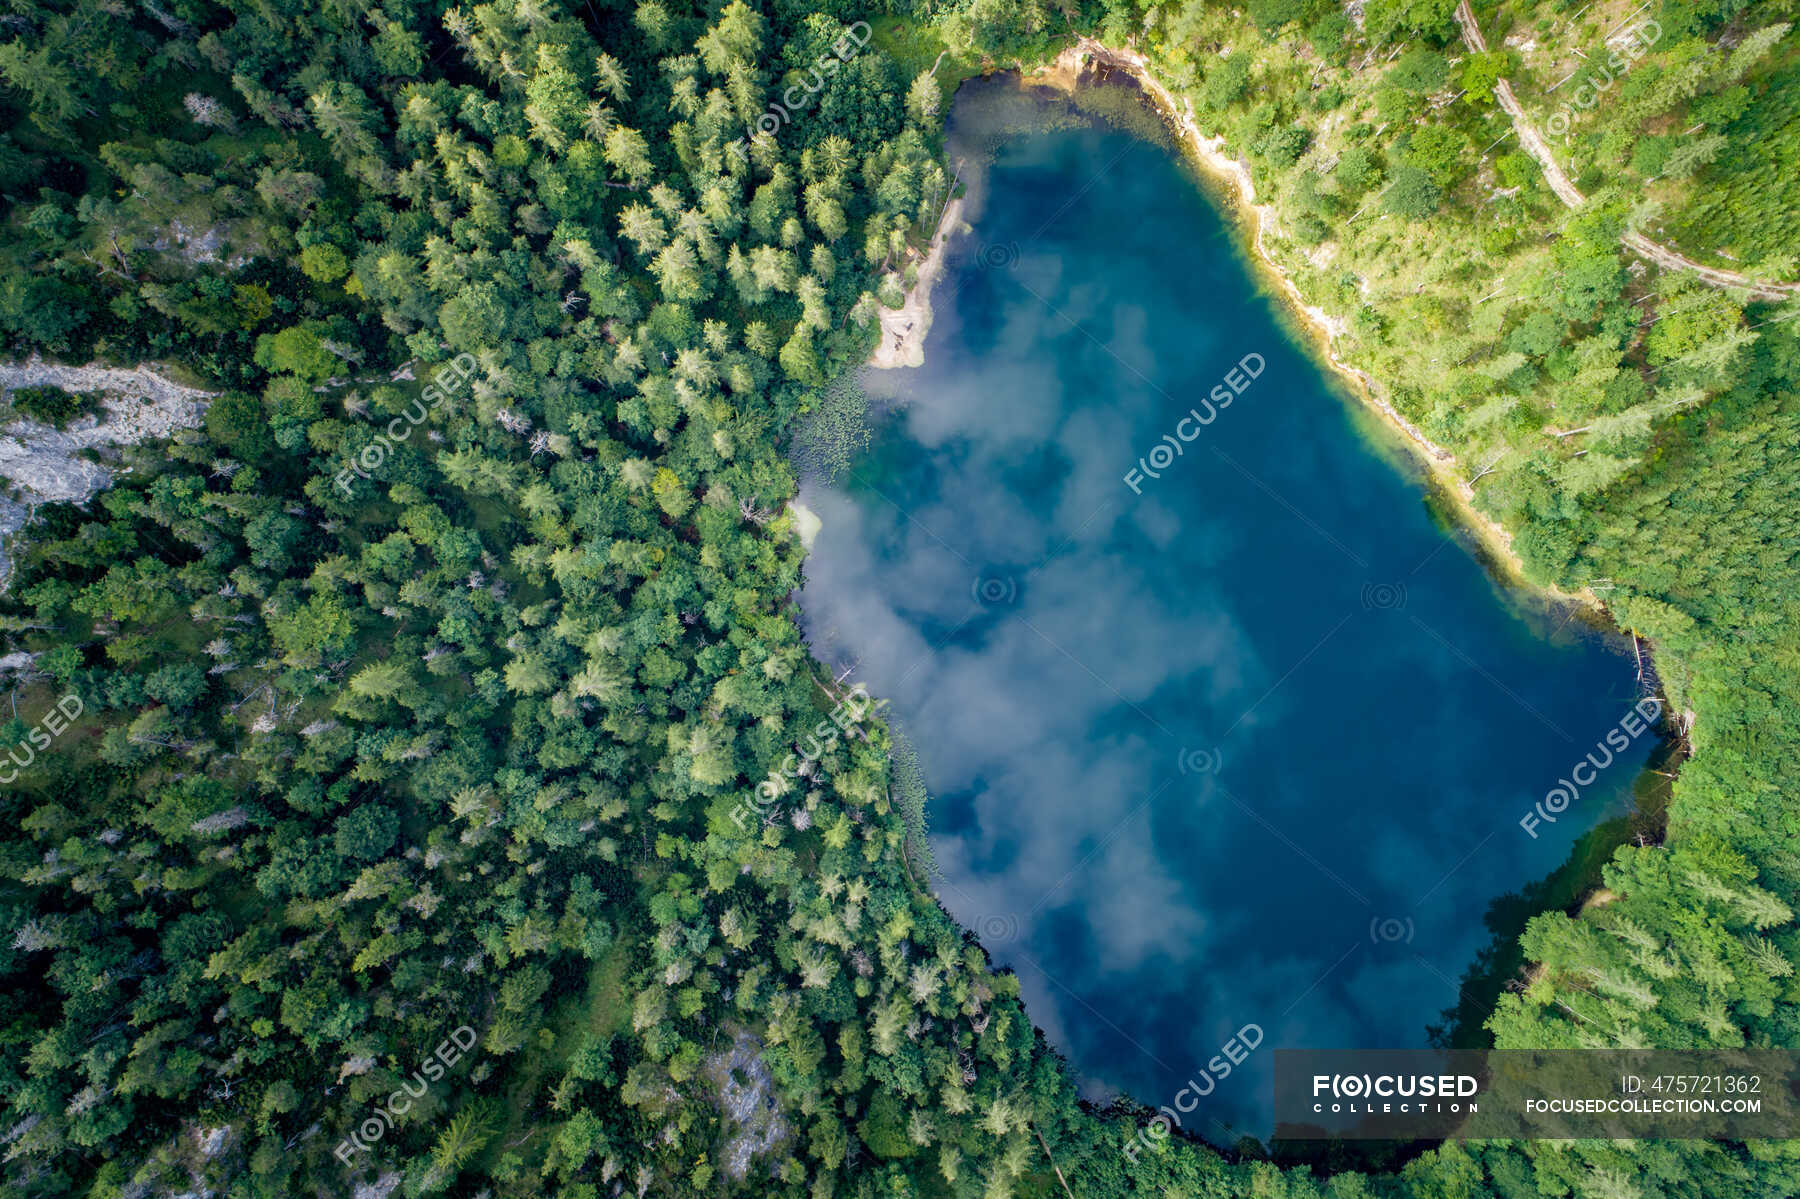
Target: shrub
52, 405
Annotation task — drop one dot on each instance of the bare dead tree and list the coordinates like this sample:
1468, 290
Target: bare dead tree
1488, 469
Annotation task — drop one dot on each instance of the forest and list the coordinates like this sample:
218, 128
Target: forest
371, 827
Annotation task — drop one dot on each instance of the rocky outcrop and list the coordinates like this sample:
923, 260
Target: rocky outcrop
41, 465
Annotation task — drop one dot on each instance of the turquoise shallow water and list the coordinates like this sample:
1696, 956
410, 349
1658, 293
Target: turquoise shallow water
1244, 744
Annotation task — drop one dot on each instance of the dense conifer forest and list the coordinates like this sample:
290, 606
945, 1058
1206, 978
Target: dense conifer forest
395, 845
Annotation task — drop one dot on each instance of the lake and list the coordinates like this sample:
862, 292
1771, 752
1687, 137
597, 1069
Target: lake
1229, 732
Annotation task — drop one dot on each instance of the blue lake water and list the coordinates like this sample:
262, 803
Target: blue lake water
1244, 744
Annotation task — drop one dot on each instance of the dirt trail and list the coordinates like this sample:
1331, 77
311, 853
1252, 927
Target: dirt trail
1570, 195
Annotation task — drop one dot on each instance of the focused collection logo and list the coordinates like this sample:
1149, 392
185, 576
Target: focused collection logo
1371, 1093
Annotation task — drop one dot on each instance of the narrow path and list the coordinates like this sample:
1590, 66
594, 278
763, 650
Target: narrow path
1672, 260
1570, 195
1559, 182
